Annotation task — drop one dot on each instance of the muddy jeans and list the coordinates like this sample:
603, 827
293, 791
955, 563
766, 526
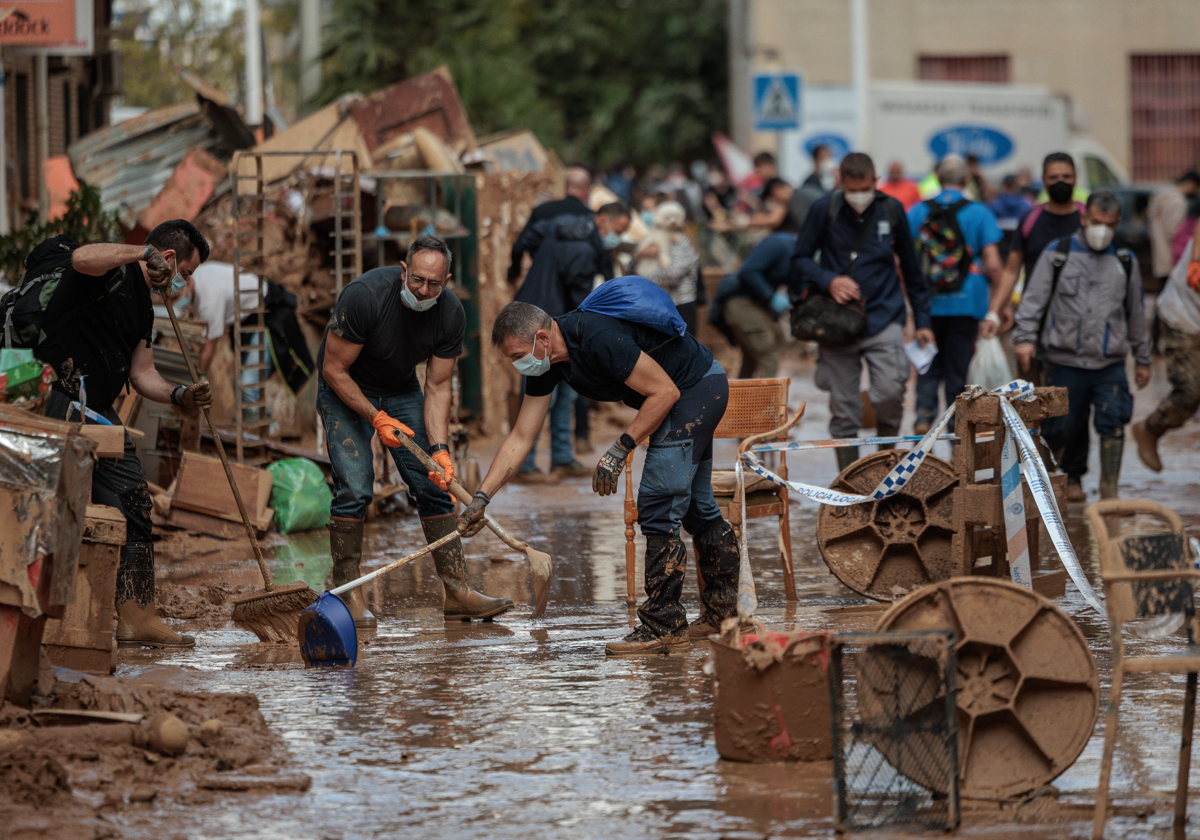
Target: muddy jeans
756, 334
1181, 351
676, 489
839, 371
348, 441
1107, 390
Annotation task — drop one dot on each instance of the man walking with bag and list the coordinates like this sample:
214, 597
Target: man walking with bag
1083, 305
851, 302
956, 244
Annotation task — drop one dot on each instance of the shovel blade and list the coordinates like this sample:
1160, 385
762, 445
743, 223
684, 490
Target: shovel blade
327, 635
539, 567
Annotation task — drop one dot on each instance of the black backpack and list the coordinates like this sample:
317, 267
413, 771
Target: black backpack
24, 307
942, 249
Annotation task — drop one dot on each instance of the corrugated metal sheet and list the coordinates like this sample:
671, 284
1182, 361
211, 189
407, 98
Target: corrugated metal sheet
1164, 99
129, 162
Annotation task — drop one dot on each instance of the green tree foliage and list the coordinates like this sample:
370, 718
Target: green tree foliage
597, 81
84, 222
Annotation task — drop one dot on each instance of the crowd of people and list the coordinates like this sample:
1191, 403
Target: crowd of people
939, 261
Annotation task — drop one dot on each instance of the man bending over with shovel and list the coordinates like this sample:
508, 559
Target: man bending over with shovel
680, 393
383, 325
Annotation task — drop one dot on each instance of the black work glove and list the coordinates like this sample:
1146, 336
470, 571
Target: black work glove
471, 521
608, 471
157, 270
194, 396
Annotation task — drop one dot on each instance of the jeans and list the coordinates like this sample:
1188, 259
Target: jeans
348, 441
676, 486
1106, 390
955, 336
562, 407
756, 334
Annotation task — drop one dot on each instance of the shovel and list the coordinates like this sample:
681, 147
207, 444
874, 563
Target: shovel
539, 561
327, 634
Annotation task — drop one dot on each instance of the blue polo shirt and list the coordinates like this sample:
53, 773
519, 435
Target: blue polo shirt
980, 229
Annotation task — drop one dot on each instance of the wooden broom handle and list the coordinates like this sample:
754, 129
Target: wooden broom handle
237, 494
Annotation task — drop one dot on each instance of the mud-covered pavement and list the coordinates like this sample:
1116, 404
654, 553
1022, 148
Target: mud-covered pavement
523, 727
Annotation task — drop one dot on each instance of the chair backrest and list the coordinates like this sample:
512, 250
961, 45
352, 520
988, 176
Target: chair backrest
755, 406
1142, 552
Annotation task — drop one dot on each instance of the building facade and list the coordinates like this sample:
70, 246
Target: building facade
1130, 68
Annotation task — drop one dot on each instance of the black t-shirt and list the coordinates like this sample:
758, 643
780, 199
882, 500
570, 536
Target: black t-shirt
1047, 228
602, 353
394, 338
93, 325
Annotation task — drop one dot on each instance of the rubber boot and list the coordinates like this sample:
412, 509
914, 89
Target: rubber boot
1110, 466
846, 455
1146, 438
664, 627
345, 545
138, 624
886, 431
462, 601
717, 557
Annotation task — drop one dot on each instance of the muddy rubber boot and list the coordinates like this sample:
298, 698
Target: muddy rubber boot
717, 558
846, 455
886, 431
345, 545
462, 601
1111, 450
138, 624
1147, 444
1075, 491
664, 627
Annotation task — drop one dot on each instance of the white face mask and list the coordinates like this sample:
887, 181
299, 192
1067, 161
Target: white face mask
410, 300
860, 201
1098, 236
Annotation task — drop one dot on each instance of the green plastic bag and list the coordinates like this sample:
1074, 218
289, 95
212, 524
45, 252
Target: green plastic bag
300, 496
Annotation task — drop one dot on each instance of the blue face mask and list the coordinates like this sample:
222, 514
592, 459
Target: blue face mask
178, 284
410, 300
531, 365
648, 217
611, 240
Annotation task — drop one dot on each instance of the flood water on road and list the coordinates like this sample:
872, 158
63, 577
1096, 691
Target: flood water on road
522, 727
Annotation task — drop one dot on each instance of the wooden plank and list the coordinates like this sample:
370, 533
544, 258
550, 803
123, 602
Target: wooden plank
203, 487
213, 526
110, 440
104, 524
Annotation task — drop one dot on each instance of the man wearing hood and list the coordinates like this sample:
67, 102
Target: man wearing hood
1083, 306
383, 325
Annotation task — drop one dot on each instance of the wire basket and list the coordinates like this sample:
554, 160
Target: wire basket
895, 731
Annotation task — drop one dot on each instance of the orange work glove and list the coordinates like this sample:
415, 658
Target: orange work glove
389, 429
1194, 275
442, 459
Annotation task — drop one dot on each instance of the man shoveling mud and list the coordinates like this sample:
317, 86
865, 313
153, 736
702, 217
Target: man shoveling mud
384, 324
680, 393
99, 322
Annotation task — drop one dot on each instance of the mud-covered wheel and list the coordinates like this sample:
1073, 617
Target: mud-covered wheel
1027, 689
888, 548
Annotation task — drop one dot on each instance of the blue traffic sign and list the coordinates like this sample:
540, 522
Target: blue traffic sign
776, 101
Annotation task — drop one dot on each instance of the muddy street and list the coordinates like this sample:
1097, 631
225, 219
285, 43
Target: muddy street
455, 729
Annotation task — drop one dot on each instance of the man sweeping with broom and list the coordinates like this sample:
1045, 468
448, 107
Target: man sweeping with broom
384, 324
87, 311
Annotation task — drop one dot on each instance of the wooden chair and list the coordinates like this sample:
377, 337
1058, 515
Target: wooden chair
756, 406
1145, 575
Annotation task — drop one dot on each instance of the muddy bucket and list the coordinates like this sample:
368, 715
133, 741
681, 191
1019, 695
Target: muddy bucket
771, 695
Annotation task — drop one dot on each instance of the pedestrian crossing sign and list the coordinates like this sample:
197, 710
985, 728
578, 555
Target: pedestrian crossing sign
776, 101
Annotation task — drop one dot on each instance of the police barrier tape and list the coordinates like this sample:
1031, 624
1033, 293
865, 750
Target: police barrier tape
747, 598
1031, 467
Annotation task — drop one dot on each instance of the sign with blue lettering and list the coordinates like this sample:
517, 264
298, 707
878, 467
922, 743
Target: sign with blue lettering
776, 101
989, 145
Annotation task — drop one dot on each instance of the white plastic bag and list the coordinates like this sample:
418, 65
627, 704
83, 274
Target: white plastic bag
989, 366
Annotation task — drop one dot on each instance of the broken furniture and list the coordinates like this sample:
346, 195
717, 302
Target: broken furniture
203, 502
83, 639
1026, 686
45, 482
946, 518
756, 406
900, 712
1145, 575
